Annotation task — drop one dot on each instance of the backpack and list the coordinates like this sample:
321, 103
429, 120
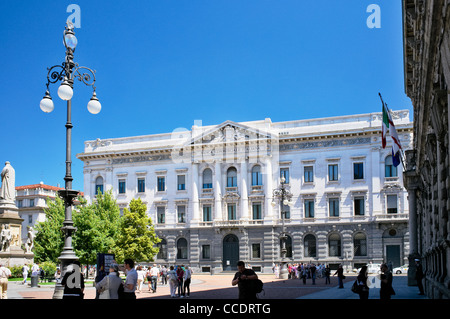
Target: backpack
257, 285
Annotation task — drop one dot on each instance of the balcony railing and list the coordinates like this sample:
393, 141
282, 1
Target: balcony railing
392, 216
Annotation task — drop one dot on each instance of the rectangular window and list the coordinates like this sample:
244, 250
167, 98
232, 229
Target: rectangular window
333, 172
31, 202
309, 174
358, 203
30, 219
141, 185
161, 184
286, 210
284, 172
20, 203
256, 250
207, 213
231, 211
392, 204
334, 207
206, 251
181, 214
122, 186
181, 184
161, 212
358, 170
309, 208
257, 213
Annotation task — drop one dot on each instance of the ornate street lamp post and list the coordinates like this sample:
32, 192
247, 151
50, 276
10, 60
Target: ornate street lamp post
283, 194
67, 72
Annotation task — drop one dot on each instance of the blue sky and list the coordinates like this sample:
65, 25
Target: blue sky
162, 64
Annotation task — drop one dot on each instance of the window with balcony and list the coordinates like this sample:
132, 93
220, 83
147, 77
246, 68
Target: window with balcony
231, 211
207, 216
257, 212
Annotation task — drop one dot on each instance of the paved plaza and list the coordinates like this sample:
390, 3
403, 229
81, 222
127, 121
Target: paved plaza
219, 287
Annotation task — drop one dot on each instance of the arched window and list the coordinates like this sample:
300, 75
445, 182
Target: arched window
360, 245
310, 246
162, 245
98, 185
334, 245
231, 177
207, 178
182, 249
288, 246
256, 175
390, 169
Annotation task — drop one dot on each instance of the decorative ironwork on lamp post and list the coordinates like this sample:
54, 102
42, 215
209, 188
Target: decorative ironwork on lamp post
284, 195
67, 72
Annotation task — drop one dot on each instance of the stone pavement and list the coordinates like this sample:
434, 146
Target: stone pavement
219, 287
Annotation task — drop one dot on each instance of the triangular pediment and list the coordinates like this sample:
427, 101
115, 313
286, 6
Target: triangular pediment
228, 132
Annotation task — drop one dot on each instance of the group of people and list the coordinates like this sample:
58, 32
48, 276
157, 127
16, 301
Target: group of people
305, 271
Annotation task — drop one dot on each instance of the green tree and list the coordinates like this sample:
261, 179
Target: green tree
97, 227
49, 240
136, 238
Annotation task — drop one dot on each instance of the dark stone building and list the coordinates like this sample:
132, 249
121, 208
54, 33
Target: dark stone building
426, 45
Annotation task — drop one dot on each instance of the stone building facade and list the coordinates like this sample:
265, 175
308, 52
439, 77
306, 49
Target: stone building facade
426, 39
209, 191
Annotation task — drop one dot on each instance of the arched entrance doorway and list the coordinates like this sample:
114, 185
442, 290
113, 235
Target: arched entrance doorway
230, 252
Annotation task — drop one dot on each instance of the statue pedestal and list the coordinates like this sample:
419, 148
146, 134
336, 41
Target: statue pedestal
12, 254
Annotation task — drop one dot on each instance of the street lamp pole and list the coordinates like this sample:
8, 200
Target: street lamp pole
67, 72
284, 195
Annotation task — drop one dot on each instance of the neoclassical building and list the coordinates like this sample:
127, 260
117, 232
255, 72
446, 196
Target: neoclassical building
426, 52
209, 190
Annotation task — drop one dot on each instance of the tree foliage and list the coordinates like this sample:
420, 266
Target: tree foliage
49, 240
136, 238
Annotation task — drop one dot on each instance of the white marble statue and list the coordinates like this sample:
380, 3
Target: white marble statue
8, 191
5, 237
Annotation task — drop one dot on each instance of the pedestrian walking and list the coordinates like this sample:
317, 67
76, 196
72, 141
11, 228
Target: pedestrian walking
140, 278
304, 274
340, 274
154, 273
180, 275
243, 278
129, 291
419, 276
173, 281
163, 275
73, 282
25, 270
108, 287
327, 273
386, 290
5, 273
187, 281
361, 282
313, 273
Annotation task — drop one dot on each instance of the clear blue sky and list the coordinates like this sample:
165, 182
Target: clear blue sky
161, 64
